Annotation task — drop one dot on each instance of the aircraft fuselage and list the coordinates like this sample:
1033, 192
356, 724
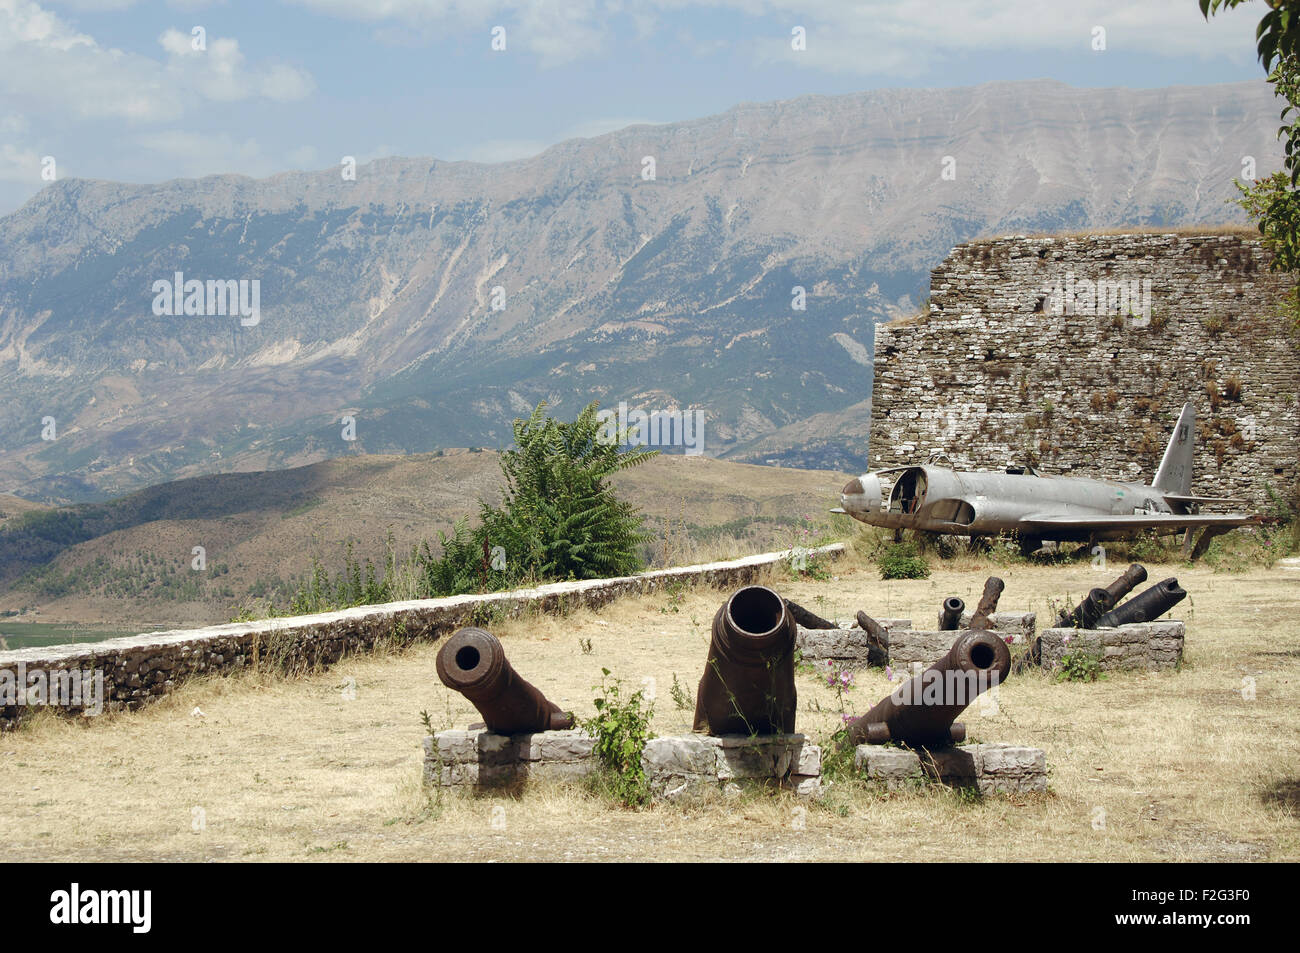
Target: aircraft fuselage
940, 500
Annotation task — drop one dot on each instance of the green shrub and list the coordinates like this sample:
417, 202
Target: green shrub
901, 561
558, 519
621, 727
1079, 667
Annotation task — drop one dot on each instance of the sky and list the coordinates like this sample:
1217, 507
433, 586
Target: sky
148, 91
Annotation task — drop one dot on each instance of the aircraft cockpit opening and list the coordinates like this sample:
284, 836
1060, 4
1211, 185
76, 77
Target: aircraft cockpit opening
908, 493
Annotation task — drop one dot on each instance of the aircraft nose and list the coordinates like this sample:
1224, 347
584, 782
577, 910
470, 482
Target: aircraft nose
852, 488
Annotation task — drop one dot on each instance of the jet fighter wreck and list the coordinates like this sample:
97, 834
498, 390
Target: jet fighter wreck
1038, 507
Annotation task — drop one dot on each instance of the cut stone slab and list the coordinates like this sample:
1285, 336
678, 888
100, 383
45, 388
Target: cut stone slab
674, 766
849, 647
991, 768
1020, 625
1143, 646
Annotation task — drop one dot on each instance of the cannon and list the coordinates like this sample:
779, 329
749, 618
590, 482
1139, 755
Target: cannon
1085, 615
748, 682
1133, 576
922, 712
877, 634
474, 664
1145, 606
950, 614
983, 616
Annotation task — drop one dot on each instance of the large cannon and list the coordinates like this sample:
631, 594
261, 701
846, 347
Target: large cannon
950, 614
983, 616
748, 682
1134, 575
922, 712
1085, 615
1145, 606
473, 663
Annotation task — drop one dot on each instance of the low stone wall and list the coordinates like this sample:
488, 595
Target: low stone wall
674, 766
991, 768
127, 673
1144, 646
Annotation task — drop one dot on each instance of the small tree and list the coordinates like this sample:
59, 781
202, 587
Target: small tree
558, 518
1274, 202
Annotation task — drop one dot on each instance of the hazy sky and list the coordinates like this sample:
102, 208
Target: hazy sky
115, 89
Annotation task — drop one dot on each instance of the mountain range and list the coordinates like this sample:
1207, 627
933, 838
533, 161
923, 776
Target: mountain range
735, 264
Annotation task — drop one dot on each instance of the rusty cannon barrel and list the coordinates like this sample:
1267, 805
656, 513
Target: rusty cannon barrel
748, 682
922, 712
1132, 577
983, 616
950, 614
1145, 606
474, 664
1085, 615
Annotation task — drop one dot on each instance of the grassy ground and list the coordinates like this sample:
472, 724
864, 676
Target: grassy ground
1173, 766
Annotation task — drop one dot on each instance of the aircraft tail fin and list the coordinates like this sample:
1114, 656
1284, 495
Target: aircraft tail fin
1175, 473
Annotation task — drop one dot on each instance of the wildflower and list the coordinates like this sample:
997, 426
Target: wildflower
889, 673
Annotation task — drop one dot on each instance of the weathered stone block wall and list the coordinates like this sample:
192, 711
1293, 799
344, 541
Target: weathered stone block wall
1144, 646
994, 375
138, 669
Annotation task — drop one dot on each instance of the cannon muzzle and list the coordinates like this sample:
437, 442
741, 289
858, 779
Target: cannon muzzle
950, 614
748, 682
983, 616
474, 664
1146, 606
1133, 576
922, 712
1085, 615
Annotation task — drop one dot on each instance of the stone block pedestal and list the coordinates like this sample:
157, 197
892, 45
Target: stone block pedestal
992, 768
1143, 646
482, 760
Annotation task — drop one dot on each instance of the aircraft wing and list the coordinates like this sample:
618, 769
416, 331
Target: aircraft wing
1136, 521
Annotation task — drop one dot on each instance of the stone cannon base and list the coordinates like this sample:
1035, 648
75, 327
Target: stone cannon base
1143, 646
692, 763
992, 768
481, 760
924, 647
1022, 625
846, 644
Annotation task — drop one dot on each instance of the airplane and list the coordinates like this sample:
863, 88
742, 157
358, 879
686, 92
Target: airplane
1037, 507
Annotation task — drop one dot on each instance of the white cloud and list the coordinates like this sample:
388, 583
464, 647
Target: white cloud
49, 68
218, 71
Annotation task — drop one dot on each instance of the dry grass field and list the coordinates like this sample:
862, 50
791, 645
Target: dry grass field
1167, 767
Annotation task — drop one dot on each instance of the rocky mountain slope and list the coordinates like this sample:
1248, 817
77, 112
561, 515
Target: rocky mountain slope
433, 302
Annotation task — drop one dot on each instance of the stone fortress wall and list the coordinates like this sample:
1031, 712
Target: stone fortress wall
1076, 354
